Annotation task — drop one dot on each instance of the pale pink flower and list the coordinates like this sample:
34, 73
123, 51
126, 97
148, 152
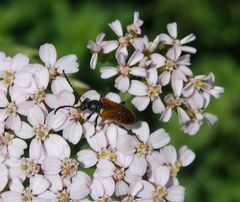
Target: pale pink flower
99, 47
172, 103
10, 146
123, 41
102, 188
44, 142
102, 150
176, 161
78, 188
10, 110
172, 39
12, 72
159, 189
141, 150
38, 186
133, 190
23, 167
67, 119
134, 28
124, 70
174, 69
68, 63
3, 176
66, 168
203, 84
146, 92
106, 168
143, 45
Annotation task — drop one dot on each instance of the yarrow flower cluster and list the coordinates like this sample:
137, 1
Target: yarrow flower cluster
42, 122
159, 72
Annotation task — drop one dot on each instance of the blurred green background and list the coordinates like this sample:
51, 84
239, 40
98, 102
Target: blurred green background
215, 174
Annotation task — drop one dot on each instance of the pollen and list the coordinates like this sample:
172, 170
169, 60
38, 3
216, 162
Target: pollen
143, 149
63, 196
39, 95
11, 108
74, 114
123, 41
199, 84
41, 132
124, 70
173, 101
119, 174
112, 156
8, 77
170, 65
52, 73
69, 167
5, 139
175, 167
30, 167
153, 90
27, 195
103, 154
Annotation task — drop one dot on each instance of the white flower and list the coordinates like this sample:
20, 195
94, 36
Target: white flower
203, 85
134, 28
134, 189
68, 118
10, 146
159, 190
102, 188
106, 168
44, 141
124, 70
147, 92
172, 39
174, 103
12, 74
143, 45
3, 176
102, 150
175, 161
66, 167
123, 41
38, 186
22, 168
100, 47
174, 69
10, 110
68, 64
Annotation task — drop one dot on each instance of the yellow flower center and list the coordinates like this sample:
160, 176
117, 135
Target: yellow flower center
170, 65
69, 167
153, 90
11, 108
39, 95
8, 77
124, 70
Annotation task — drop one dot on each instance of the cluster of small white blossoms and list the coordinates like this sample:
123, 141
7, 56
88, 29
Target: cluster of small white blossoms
43, 125
37, 158
158, 71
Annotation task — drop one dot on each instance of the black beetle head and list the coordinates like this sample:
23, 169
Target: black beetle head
84, 104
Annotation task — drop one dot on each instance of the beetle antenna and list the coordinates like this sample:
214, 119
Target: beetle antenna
55, 111
74, 90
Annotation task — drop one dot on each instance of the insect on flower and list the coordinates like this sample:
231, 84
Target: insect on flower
105, 108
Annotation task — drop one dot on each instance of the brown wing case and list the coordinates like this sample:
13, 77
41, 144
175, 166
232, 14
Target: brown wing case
116, 112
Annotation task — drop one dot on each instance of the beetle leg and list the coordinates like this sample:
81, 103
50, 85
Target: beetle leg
89, 116
129, 132
96, 121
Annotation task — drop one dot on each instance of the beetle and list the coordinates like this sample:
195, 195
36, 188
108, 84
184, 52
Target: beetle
107, 109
